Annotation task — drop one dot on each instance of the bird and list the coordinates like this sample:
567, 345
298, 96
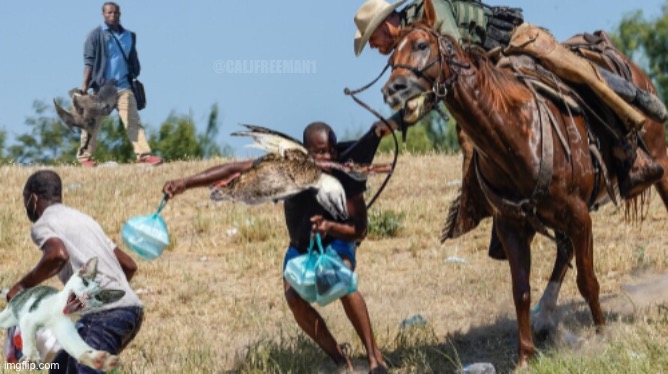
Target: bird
286, 170
87, 108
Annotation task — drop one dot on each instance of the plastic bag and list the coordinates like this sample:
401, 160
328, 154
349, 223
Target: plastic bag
320, 275
333, 279
300, 273
147, 235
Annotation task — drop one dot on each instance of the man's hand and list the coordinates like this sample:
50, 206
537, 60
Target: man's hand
174, 187
13, 291
381, 129
320, 225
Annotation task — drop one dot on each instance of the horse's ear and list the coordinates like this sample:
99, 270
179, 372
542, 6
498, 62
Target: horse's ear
429, 14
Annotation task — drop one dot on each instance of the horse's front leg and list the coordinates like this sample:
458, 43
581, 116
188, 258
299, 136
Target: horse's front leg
583, 245
516, 239
543, 315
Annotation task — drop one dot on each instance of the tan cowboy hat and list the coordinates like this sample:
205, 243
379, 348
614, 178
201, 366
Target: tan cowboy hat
367, 19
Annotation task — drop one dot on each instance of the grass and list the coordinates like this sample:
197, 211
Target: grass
214, 300
384, 224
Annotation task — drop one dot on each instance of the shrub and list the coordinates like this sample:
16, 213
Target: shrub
385, 224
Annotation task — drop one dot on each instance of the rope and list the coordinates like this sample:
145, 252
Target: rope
352, 94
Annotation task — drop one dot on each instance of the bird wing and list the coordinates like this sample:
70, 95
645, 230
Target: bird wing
269, 179
66, 117
107, 96
332, 196
270, 140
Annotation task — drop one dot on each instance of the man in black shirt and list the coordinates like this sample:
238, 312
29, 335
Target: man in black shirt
304, 216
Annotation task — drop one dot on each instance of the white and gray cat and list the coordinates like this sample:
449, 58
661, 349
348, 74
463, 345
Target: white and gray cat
46, 307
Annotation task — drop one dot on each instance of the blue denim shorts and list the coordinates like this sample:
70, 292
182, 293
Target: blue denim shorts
110, 330
346, 250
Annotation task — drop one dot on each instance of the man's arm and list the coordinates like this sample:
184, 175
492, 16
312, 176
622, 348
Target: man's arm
88, 71
89, 54
445, 22
222, 173
128, 265
53, 259
395, 122
354, 229
363, 150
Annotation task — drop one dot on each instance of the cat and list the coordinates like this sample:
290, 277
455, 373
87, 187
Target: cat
46, 307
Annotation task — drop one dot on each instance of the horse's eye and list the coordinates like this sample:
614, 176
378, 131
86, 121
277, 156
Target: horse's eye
422, 46
85, 282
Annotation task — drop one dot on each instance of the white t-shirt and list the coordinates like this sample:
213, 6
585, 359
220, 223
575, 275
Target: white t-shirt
84, 238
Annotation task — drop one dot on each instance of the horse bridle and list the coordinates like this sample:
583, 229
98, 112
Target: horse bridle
435, 84
445, 53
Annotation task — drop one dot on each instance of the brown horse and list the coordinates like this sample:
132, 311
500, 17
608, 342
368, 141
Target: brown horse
533, 159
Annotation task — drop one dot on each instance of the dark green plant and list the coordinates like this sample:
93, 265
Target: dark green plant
646, 42
48, 141
431, 134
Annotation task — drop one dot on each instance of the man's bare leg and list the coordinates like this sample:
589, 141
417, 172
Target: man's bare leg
310, 321
358, 315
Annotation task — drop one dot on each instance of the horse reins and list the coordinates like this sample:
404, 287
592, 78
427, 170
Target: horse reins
364, 105
439, 89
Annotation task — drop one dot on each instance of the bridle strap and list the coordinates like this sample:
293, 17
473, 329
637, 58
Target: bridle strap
419, 72
445, 53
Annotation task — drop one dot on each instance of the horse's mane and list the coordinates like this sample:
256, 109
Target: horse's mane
501, 88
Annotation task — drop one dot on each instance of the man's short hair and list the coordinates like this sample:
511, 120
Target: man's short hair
118, 7
316, 127
46, 184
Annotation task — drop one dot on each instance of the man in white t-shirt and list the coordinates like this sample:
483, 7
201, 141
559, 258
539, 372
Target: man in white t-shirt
68, 238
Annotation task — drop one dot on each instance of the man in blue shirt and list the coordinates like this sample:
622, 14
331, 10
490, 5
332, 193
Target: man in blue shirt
110, 54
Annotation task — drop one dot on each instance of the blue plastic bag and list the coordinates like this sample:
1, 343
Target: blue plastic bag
300, 273
333, 279
147, 235
320, 275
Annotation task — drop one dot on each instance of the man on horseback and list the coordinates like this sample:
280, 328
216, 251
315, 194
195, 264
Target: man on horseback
502, 30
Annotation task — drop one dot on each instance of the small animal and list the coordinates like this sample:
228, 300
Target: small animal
44, 306
87, 108
285, 171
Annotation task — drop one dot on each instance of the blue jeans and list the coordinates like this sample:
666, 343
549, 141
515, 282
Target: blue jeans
346, 250
110, 330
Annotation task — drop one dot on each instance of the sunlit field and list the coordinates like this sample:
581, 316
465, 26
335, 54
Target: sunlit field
214, 300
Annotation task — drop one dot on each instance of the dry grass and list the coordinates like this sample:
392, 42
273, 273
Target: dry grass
214, 301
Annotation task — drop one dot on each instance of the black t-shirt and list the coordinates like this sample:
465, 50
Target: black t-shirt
300, 208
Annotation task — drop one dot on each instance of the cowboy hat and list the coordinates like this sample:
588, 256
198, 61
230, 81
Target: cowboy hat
367, 19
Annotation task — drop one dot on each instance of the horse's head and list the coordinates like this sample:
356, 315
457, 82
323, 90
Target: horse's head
421, 68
